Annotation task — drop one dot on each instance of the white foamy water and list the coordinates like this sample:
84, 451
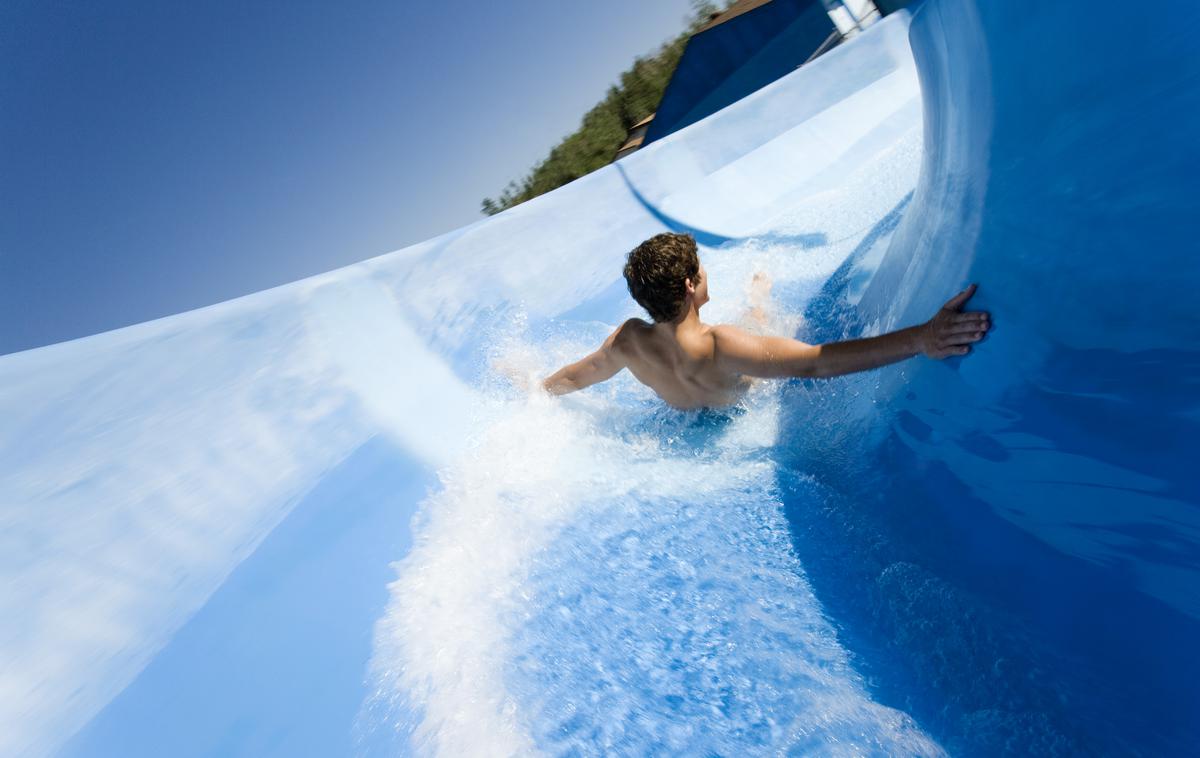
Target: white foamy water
627, 576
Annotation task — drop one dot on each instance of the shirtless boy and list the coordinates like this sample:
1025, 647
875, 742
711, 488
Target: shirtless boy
690, 364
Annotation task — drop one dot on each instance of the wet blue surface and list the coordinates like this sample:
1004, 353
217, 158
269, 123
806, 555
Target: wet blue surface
1027, 525
274, 664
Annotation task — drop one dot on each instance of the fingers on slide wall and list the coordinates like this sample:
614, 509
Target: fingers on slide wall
1059, 173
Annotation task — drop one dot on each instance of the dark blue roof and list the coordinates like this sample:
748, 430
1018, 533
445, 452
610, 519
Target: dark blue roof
728, 60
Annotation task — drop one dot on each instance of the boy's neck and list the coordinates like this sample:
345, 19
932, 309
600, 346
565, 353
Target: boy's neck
688, 320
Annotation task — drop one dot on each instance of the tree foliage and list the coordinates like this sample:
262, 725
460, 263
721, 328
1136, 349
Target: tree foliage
604, 128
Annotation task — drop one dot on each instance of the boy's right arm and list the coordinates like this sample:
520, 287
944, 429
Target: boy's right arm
949, 332
598, 366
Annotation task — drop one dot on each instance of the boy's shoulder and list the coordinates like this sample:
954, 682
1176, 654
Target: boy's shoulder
631, 331
634, 327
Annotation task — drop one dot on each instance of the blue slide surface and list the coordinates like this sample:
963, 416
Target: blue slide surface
323, 519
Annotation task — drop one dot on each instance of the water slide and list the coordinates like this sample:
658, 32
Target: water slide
324, 520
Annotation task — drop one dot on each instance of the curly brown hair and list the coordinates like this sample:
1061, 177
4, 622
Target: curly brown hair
655, 272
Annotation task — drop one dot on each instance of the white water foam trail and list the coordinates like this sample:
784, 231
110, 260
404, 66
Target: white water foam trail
477, 634
442, 645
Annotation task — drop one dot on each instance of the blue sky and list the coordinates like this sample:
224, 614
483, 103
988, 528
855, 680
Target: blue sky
161, 156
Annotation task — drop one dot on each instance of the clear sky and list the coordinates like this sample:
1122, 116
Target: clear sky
162, 155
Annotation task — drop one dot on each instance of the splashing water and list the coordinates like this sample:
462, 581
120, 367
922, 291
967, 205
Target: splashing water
589, 581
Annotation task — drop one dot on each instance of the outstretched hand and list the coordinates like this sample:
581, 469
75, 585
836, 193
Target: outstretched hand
517, 374
952, 331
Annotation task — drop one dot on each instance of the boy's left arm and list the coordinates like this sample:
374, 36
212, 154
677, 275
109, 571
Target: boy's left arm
597, 367
949, 332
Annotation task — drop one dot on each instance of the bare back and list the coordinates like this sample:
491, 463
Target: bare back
690, 364
679, 364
